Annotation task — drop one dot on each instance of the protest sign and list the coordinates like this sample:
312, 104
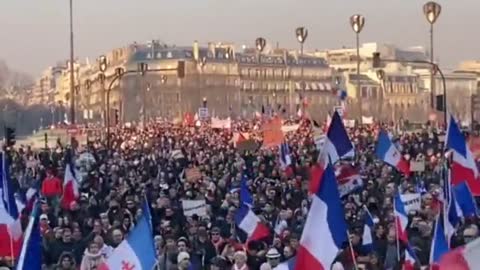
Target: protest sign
221, 123
412, 201
272, 133
192, 207
417, 166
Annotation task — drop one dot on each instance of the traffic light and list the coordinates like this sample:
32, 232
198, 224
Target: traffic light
117, 117
181, 69
376, 61
439, 103
9, 137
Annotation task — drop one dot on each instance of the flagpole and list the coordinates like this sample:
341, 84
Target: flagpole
11, 248
397, 236
352, 252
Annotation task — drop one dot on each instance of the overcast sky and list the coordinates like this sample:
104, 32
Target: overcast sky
34, 33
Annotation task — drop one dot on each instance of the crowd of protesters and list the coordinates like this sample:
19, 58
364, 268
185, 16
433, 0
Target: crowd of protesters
140, 164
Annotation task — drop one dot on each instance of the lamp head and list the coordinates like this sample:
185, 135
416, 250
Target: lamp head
142, 68
357, 22
260, 44
301, 33
119, 71
432, 11
381, 74
102, 62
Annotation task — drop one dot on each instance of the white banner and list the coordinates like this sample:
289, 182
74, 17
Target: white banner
221, 123
290, 128
412, 201
349, 123
191, 207
367, 120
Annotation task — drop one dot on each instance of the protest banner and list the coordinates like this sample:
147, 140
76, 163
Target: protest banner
247, 145
417, 166
412, 201
290, 128
192, 207
367, 120
221, 123
272, 133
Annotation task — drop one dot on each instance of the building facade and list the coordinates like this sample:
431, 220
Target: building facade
243, 83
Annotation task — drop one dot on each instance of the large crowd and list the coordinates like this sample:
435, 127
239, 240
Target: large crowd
145, 163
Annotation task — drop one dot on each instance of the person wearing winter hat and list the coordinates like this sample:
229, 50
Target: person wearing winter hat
183, 260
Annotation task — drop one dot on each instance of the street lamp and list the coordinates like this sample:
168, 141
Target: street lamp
204, 102
260, 44
432, 11
301, 33
142, 69
377, 63
102, 63
357, 22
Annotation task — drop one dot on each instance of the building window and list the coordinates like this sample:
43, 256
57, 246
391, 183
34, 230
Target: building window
252, 85
269, 73
374, 92
364, 92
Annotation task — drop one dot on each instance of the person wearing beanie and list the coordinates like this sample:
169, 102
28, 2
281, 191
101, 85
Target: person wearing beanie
183, 260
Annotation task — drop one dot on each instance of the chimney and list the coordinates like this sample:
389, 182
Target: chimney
195, 50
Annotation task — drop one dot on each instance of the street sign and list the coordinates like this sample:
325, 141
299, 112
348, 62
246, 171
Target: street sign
203, 113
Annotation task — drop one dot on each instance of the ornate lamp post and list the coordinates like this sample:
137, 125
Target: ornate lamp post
432, 11
301, 33
357, 22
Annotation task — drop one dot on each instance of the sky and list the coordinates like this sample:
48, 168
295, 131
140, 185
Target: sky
34, 34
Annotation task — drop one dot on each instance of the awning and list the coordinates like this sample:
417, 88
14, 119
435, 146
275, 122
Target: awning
314, 86
328, 86
321, 86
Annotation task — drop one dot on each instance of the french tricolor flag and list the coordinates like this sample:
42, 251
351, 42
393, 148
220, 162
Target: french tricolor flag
439, 245
401, 218
386, 151
246, 219
463, 167
337, 145
453, 217
31, 254
137, 251
464, 258
325, 229
70, 184
465, 203
410, 259
367, 238
11, 234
